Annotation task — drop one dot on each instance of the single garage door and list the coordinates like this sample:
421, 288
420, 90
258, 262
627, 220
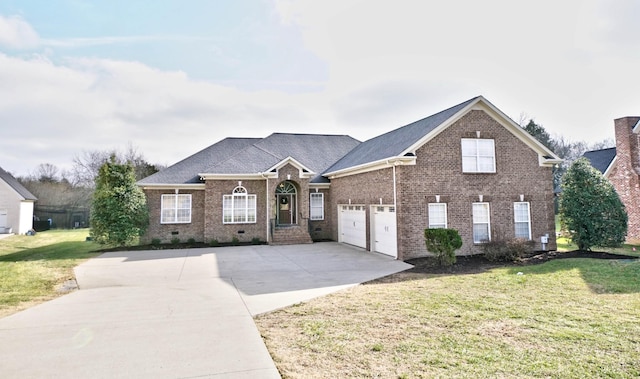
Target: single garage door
353, 225
384, 234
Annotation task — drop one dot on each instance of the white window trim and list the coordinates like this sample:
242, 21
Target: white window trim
319, 195
477, 156
528, 221
238, 193
446, 221
176, 208
488, 223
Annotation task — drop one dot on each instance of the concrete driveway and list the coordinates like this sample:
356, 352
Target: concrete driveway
176, 313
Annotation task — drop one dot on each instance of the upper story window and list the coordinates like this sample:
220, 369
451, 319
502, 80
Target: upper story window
437, 215
478, 155
522, 220
316, 206
239, 207
175, 209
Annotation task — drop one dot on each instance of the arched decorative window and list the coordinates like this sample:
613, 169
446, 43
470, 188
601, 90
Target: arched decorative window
239, 207
286, 187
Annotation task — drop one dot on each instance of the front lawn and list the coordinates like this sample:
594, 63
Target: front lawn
32, 268
568, 318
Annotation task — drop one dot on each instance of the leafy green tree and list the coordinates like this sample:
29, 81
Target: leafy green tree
590, 209
119, 212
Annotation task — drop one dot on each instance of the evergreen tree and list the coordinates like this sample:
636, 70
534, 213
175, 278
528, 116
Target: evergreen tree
590, 209
119, 212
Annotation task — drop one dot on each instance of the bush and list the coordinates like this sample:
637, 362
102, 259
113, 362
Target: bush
443, 243
175, 240
235, 241
500, 250
214, 242
191, 241
156, 241
255, 241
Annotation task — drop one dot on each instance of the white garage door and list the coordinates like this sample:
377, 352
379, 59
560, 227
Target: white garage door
384, 234
353, 225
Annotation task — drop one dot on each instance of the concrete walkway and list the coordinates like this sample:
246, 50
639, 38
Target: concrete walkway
176, 313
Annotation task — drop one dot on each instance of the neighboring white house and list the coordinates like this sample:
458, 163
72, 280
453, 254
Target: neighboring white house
16, 205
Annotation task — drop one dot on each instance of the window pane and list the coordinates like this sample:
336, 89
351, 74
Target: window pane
437, 215
481, 228
522, 230
184, 201
480, 233
168, 215
480, 213
316, 206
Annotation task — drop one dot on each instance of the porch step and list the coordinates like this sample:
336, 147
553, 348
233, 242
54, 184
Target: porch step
290, 235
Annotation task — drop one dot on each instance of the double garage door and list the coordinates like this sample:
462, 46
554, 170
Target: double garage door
353, 228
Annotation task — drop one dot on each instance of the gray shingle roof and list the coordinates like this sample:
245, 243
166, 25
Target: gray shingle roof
395, 142
257, 155
186, 171
13, 183
601, 159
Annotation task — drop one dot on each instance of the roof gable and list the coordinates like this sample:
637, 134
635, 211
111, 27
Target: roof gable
400, 144
12, 182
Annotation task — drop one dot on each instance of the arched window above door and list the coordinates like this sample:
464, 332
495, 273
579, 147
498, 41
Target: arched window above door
286, 187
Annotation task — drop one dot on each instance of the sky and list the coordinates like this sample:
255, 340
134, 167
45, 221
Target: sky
173, 77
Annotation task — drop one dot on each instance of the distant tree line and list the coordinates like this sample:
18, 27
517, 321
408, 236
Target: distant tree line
566, 149
65, 196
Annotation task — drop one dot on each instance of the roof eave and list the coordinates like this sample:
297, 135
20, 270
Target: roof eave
372, 166
162, 186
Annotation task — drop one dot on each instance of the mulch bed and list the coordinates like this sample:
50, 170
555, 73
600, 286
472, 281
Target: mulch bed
478, 263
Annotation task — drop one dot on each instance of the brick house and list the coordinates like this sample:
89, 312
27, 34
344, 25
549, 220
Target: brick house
469, 168
621, 166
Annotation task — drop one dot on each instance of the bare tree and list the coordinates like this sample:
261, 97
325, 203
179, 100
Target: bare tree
86, 166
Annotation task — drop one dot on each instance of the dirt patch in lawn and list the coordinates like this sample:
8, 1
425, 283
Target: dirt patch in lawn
478, 263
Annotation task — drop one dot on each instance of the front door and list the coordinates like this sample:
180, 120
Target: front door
287, 204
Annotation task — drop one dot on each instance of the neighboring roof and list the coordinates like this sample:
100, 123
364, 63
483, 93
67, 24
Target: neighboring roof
250, 156
601, 159
19, 188
395, 142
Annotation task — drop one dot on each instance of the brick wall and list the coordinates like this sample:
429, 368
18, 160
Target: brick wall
166, 232
361, 189
438, 171
624, 176
213, 226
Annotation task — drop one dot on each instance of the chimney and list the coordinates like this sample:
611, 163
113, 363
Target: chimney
627, 144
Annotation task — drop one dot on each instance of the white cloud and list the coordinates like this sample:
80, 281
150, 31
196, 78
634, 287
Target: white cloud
16, 33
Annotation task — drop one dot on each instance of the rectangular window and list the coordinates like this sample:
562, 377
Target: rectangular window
175, 209
239, 208
522, 220
437, 215
478, 155
481, 223
316, 206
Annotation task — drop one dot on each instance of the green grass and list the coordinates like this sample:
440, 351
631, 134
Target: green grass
569, 318
33, 267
